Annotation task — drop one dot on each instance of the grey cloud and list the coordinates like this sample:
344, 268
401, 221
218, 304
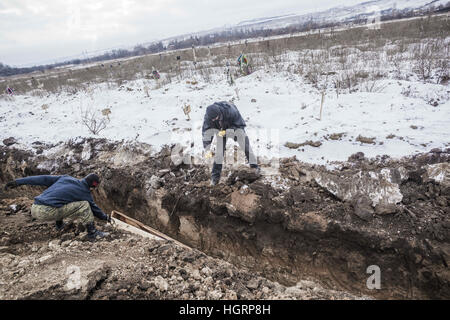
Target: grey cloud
34, 31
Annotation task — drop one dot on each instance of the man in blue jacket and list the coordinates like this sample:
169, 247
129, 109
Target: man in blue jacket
223, 118
65, 198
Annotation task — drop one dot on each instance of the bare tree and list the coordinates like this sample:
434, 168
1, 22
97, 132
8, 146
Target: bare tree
93, 120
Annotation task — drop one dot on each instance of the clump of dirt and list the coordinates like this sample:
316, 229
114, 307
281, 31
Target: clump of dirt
367, 140
305, 221
292, 145
335, 136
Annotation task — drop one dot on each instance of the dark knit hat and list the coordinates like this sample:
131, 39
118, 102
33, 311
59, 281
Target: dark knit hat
213, 111
92, 180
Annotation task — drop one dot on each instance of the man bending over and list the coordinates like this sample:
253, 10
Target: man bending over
65, 198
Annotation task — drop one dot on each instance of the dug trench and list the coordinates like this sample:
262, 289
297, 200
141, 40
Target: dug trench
307, 221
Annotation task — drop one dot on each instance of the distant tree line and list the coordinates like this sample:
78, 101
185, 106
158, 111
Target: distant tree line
138, 50
6, 70
224, 36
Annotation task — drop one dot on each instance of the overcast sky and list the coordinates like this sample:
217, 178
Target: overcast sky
37, 31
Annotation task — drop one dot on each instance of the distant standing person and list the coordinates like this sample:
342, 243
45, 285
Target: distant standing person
223, 118
65, 198
244, 64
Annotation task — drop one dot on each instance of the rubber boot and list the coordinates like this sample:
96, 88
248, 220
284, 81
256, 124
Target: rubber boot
215, 174
256, 168
94, 234
214, 181
59, 225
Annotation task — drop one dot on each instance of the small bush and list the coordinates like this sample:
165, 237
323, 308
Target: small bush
94, 121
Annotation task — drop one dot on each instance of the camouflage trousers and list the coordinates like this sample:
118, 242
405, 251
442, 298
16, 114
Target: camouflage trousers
80, 210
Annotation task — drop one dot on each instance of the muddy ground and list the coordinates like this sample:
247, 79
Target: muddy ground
37, 262
306, 222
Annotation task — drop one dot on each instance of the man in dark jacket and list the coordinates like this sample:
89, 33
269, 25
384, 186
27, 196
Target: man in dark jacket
65, 198
223, 118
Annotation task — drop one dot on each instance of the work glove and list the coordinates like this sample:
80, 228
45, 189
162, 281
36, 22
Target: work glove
222, 133
11, 185
209, 155
111, 221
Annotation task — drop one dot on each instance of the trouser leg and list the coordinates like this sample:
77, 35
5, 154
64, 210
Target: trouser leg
79, 210
75, 210
47, 213
216, 171
219, 158
244, 143
44, 213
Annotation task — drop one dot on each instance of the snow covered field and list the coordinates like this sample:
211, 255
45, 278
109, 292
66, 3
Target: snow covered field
284, 109
384, 92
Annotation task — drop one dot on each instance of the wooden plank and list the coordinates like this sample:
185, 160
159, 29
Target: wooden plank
119, 224
135, 223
